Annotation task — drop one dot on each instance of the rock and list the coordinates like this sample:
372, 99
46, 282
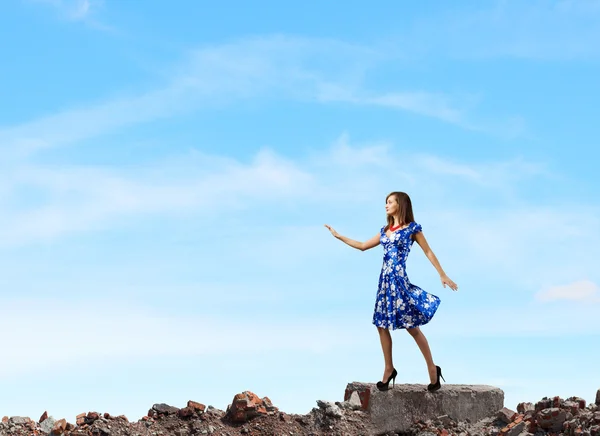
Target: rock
198, 407
598, 397
47, 425
506, 415
91, 417
246, 406
572, 406
59, 427
544, 403
20, 420
43, 417
80, 419
354, 401
525, 407
330, 409
165, 409
551, 418
363, 390
213, 410
269, 405
445, 420
513, 429
101, 430
186, 412
580, 401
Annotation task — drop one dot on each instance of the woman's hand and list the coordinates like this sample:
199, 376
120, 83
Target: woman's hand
333, 232
446, 281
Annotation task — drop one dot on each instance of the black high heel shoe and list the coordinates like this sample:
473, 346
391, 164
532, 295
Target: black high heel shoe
384, 386
432, 387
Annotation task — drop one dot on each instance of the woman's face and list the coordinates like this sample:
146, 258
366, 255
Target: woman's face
391, 205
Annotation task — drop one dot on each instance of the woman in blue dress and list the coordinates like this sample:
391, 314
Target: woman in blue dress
399, 303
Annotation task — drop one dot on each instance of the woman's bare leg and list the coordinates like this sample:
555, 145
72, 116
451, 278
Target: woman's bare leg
421, 341
386, 345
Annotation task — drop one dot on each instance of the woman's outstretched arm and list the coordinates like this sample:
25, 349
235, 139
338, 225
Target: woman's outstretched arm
362, 246
434, 261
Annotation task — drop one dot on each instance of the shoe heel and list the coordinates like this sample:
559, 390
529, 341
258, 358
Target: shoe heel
384, 386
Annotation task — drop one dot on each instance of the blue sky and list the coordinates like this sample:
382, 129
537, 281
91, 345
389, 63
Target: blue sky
167, 171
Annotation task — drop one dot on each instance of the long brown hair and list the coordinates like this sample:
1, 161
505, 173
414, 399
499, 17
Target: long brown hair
405, 211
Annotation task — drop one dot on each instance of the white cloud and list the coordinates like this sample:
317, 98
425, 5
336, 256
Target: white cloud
76, 199
423, 103
74, 10
345, 155
494, 175
539, 29
72, 333
274, 67
583, 291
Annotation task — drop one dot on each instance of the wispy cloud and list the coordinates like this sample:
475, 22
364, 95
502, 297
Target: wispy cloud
74, 10
498, 174
321, 71
583, 291
539, 30
76, 199
125, 332
509, 235
423, 103
80, 11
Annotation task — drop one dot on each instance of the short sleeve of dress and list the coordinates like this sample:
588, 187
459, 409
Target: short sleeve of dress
416, 228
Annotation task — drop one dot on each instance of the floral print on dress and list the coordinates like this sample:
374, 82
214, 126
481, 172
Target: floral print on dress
399, 303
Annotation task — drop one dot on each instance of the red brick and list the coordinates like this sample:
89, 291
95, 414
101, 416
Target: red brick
556, 401
80, 419
365, 396
59, 427
199, 407
186, 412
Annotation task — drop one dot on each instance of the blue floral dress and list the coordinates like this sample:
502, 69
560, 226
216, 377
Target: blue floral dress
399, 303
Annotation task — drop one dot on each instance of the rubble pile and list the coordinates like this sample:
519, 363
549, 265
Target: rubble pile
250, 415
549, 416
247, 415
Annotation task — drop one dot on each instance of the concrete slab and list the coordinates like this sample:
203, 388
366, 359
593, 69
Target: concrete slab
398, 408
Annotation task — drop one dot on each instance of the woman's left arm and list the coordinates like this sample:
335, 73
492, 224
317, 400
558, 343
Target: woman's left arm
434, 261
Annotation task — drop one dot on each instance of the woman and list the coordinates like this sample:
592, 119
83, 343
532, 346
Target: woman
399, 303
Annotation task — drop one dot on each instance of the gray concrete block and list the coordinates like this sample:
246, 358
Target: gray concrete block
397, 409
